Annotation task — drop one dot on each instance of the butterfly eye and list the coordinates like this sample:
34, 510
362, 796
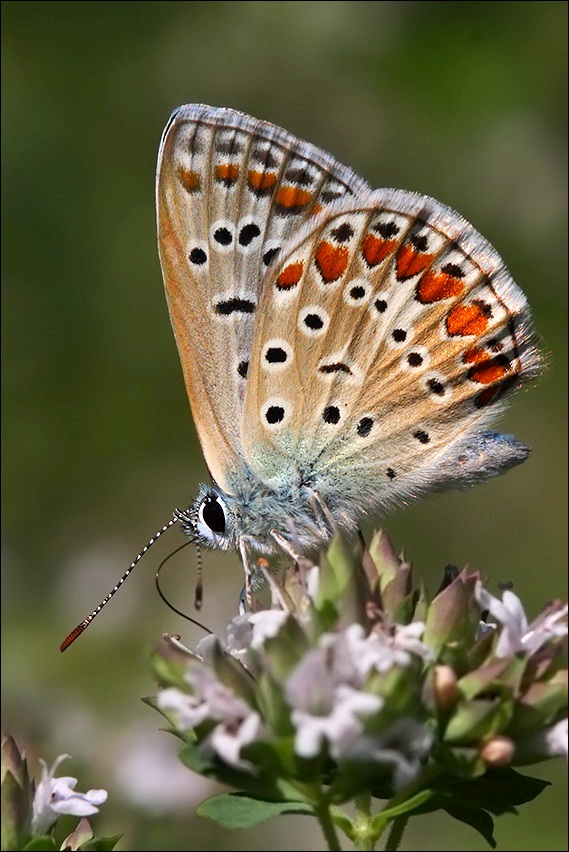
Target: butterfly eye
212, 514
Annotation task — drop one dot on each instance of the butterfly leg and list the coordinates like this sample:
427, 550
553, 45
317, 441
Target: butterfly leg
285, 545
245, 596
321, 510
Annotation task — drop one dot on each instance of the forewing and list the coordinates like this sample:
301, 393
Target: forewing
231, 193
386, 339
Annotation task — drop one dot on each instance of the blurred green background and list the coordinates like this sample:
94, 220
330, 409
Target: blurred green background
465, 101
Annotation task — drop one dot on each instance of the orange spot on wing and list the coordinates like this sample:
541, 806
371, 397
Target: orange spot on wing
410, 262
261, 181
291, 196
436, 286
375, 249
331, 261
318, 209
488, 370
227, 172
190, 179
465, 320
474, 355
290, 276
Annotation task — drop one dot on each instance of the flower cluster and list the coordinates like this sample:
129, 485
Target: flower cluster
356, 684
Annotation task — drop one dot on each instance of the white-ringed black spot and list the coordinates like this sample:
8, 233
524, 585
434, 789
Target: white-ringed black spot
421, 436
270, 255
343, 233
198, 256
390, 473
248, 233
223, 236
380, 305
314, 322
274, 414
357, 292
436, 387
331, 414
364, 427
414, 359
399, 335
275, 355
242, 369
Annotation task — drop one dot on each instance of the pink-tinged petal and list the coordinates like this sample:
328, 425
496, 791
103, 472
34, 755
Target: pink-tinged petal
227, 741
55, 796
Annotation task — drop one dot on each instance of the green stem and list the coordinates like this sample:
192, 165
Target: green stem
396, 833
364, 838
328, 829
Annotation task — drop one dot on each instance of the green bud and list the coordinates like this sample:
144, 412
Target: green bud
16, 797
453, 615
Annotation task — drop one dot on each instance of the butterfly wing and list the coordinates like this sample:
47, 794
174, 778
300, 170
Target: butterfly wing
231, 192
378, 364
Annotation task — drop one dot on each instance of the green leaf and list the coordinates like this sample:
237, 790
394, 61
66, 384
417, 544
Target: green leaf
261, 784
499, 791
479, 820
100, 844
233, 810
41, 843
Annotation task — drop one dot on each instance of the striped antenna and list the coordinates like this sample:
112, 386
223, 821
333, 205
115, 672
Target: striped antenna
87, 621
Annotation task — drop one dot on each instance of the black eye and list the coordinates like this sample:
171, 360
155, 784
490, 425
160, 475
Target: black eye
213, 515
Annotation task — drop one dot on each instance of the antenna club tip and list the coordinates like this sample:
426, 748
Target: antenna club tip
72, 636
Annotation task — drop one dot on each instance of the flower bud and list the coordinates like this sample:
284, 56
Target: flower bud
17, 797
497, 751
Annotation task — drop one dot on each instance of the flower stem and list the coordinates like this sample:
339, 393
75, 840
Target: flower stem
364, 837
396, 833
325, 819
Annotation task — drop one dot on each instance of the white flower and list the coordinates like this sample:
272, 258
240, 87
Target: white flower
238, 725
407, 638
324, 706
381, 651
340, 727
56, 796
516, 635
228, 739
266, 624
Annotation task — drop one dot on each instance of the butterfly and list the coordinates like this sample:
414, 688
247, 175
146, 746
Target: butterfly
344, 349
